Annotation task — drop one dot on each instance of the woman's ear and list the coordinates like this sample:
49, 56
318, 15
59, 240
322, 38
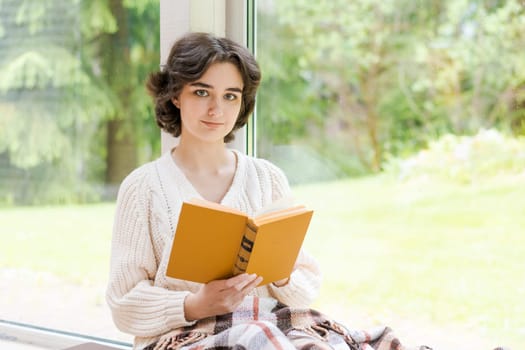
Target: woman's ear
175, 102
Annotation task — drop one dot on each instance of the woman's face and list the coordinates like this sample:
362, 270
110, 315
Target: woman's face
210, 106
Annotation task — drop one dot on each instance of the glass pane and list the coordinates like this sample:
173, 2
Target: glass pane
74, 119
402, 124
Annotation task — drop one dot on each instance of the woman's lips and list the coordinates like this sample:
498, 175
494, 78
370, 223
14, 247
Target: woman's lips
211, 124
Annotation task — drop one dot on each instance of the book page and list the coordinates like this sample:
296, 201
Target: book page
279, 214
279, 204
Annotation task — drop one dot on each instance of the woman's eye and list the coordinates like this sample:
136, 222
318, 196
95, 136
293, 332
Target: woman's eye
230, 97
201, 93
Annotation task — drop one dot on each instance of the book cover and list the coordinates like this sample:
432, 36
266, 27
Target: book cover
213, 242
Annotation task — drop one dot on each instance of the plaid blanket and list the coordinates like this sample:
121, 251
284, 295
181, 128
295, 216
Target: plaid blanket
266, 324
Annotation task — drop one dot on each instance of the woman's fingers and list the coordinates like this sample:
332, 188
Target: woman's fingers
239, 282
220, 296
253, 284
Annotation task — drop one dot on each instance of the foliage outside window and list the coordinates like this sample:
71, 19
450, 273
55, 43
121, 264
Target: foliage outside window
74, 115
361, 82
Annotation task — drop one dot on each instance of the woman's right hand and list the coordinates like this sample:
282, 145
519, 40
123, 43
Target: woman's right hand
219, 297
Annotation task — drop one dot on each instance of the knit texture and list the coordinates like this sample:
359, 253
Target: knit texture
143, 301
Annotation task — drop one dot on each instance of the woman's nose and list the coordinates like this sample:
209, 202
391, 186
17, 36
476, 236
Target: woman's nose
216, 108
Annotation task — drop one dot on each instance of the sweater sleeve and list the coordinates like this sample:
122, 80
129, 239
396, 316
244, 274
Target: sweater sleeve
305, 281
303, 286
137, 306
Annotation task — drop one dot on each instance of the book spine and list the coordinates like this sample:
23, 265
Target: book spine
245, 250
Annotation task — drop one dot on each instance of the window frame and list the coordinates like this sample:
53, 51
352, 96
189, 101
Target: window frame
234, 19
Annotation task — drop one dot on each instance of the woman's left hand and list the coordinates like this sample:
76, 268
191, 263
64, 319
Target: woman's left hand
219, 297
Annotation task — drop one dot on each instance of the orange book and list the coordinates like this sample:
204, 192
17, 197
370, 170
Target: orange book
214, 242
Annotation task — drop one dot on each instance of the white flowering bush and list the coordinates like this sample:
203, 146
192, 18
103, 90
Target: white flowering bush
465, 159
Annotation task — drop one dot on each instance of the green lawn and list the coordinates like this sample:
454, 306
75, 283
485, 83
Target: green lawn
447, 254
442, 253
72, 242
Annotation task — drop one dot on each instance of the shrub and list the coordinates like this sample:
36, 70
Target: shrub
464, 159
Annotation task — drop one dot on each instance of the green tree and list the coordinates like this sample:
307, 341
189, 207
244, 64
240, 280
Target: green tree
72, 96
478, 53
350, 53
392, 75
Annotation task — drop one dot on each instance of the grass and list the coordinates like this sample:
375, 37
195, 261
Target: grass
72, 242
443, 253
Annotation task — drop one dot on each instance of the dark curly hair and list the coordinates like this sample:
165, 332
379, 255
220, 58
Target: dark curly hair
188, 60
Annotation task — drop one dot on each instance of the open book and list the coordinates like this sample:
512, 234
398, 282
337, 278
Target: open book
213, 241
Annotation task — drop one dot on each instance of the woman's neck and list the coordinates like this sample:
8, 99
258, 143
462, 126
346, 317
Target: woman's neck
209, 169
202, 158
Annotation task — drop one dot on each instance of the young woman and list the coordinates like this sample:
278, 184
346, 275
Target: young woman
203, 94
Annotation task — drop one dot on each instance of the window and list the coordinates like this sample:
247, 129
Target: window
74, 118
401, 123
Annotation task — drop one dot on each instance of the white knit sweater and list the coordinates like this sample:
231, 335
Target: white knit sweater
143, 301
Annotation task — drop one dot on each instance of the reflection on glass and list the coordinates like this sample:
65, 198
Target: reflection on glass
403, 125
73, 121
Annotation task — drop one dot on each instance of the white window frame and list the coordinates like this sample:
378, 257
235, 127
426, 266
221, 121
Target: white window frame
234, 19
